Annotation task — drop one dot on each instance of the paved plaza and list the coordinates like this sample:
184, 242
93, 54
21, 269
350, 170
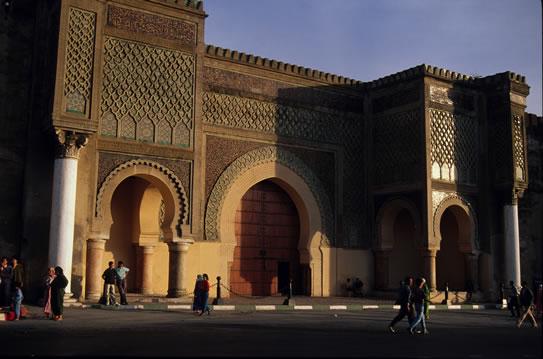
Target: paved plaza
453, 333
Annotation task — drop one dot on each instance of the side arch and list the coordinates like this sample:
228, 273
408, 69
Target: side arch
469, 242
386, 215
170, 187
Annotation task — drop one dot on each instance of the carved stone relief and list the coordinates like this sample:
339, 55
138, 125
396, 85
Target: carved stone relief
79, 61
455, 143
518, 149
270, 117
396, 147
150, 24
147, 93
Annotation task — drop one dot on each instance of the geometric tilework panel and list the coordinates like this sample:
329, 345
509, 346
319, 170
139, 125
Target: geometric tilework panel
270, 117
148, 91
518, 149
79, 61
396, 147
455, 143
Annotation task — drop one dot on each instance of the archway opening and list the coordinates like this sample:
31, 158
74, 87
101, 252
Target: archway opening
405, 257
450, 261
267, 230
138, 213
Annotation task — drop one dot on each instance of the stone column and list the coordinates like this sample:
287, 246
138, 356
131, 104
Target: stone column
61, 230
472, 269
512, 242
95, 254
430, 267
381, 269
147, 269
178, 264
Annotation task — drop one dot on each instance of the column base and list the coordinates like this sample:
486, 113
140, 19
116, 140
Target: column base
177, 293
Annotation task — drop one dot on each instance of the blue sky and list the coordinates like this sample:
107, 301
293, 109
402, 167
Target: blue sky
368, 39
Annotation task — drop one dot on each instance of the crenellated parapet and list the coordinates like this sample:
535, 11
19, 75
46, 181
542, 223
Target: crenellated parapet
197, 5
275, 65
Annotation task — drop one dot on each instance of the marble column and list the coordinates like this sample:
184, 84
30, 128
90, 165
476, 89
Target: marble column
430, 267
95, 254
61, 230
512, 242
177, 282
381, 269
147, 269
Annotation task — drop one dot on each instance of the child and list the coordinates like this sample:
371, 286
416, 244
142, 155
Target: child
17, 300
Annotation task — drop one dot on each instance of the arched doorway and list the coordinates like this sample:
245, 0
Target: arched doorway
405, 258
137, 210
455, 229
267, 230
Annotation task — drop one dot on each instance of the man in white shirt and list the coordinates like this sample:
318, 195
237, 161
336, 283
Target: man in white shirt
121, 272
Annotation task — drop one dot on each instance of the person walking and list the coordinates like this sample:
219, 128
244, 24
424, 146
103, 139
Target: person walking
6, 276
204, 295
526, 301
57, 293
196, 301
418, 301
513, 304
426, 300
47, 293
404, 300
17, 299
109, 276
121, 271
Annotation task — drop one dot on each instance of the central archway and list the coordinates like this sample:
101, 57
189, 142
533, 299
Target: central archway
267, 234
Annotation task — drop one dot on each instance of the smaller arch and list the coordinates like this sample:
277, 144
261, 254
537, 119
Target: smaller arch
386, 215
463, 212
170, 187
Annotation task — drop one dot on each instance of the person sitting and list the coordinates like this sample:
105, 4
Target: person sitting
357, 287
349, 288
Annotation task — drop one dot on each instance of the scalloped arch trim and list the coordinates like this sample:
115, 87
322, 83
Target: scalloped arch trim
180, 195
261, 156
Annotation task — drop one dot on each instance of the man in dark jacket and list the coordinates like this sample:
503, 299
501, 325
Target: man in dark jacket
404, 300
513, 304
526, 301
109, 276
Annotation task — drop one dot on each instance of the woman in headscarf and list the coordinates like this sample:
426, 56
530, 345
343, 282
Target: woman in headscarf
57, 293
196, 302
204, 294
47, 295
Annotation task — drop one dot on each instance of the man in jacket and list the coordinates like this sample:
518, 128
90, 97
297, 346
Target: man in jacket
404, 300
526, 301
109, 276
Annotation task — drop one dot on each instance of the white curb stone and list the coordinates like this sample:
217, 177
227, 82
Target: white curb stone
370, 307
303, 307
338, 307
179, 306
265, 307
224, 307
454, 307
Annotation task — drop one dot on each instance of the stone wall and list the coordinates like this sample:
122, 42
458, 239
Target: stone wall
531, 204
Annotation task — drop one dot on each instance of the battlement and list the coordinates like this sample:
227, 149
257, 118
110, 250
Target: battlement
531, 120
197, 5
270, 64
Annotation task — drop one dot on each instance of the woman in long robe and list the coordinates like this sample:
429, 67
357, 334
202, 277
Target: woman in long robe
57, 293
47, 295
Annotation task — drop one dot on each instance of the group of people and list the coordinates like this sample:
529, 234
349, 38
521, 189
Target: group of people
11, 286
53, 299
201, 295
521, 302
354, 287
114, 277
414, 301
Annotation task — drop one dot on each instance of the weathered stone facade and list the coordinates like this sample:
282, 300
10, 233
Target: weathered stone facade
426, 162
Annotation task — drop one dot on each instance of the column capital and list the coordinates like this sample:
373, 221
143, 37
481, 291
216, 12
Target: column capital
69, 143
180, 245
96, 243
